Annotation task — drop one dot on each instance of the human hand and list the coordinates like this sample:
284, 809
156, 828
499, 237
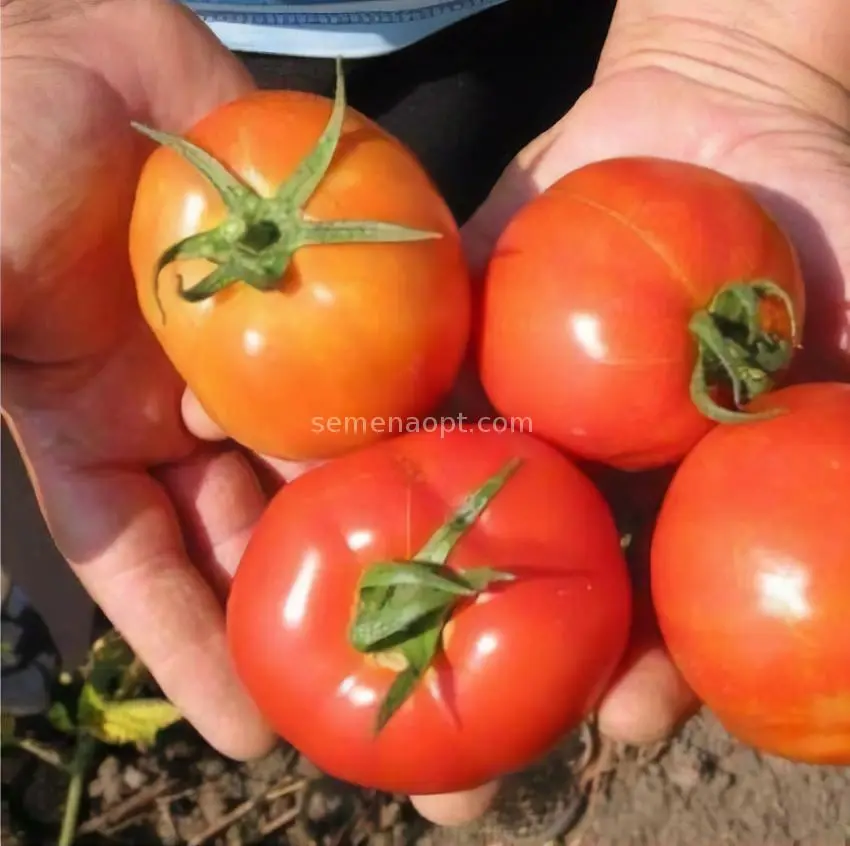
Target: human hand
737, 105
152, 522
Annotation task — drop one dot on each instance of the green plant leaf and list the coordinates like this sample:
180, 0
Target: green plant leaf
109, 659
231, 190
302, 184
60, 718
136, 721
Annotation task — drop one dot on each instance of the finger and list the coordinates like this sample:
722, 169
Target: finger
129, 554
649, 698
524, 178
218, 500
163, 86
648, 703
197, 421
521, 181
456, 808
272, 472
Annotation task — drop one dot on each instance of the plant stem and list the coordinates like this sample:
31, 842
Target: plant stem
49, 756
79, 768
131, 681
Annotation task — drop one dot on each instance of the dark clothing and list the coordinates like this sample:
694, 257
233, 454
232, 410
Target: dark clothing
467, 99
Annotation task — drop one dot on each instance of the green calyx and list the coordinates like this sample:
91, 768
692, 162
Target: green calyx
740, 348
258, 237
404, 606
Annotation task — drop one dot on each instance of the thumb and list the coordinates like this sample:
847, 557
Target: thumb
529, 174
532, 170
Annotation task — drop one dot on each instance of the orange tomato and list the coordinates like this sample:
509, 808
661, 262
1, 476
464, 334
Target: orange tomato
338, 303
623, 304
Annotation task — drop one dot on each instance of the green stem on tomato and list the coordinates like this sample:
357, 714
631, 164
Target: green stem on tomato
404, 605
258, 237
738, 349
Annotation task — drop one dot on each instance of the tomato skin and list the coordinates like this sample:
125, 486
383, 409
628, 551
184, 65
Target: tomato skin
359, 330
750, 575
523, 664
590, 292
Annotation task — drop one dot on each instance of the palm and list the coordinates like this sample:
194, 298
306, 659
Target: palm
798, 163
69, 296
90, 397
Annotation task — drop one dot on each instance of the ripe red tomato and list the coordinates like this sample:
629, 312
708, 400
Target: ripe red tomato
313, 325
607, 305
751, 574
518, 664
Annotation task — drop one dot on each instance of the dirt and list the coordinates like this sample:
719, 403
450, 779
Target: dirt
704, 788
700, 789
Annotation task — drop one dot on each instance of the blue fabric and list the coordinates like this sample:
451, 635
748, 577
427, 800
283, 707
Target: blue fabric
317, 28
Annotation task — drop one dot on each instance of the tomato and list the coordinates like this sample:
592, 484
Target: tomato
508, 669
309, 292
623, 305
750, 575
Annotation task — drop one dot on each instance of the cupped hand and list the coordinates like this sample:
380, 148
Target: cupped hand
152, 521
759, 116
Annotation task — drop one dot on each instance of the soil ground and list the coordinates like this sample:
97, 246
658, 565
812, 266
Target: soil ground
701, 789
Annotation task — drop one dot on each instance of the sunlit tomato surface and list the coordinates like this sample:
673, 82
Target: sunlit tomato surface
750, 575
589, 297
352, 332
521, 664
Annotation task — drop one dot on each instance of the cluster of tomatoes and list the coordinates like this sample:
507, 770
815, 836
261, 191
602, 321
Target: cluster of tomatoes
428, 610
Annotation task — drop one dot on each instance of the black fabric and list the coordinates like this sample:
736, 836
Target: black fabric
468, 98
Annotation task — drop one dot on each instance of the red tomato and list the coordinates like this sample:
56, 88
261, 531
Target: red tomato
521, 663
607, 294
324, 321
751, 574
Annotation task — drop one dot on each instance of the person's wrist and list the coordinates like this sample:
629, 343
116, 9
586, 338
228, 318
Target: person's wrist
801, 61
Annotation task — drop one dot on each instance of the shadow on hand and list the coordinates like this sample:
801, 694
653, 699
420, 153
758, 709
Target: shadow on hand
825, 355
